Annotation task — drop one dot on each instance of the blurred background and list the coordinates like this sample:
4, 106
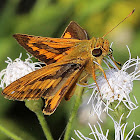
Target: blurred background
49, 18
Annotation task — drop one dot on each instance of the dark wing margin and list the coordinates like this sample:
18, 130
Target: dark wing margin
75, 31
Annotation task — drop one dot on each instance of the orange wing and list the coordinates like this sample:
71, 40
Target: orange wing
48, 50
51, 82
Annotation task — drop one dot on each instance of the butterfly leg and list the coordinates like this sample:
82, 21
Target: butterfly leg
94, 78
105, 77
115, 62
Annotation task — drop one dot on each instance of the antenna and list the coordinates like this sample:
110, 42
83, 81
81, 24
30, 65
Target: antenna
120, 22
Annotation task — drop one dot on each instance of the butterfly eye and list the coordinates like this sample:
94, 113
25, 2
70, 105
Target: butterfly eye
97, 52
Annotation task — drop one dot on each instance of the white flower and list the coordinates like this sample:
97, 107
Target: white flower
97, 135
119, 128
17, 69
119, 87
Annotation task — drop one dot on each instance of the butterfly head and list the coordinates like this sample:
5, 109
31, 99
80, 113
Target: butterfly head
99, 47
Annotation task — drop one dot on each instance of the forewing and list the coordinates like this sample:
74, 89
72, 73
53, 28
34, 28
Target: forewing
74, 31
48, 50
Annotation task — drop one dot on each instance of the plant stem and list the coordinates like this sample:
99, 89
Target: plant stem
78, 91
9, 134
36, 107
44, 125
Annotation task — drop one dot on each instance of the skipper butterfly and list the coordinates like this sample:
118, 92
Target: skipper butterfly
66, 58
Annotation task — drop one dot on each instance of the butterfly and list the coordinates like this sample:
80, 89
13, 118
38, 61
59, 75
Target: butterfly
65, 58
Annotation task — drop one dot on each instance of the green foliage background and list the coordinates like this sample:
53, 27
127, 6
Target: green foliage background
49, 18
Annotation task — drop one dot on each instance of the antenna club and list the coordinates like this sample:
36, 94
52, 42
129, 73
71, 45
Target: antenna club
133, 11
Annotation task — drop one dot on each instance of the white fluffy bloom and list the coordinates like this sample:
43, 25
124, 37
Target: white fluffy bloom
119, 87
119, 129
17, 69
97, 135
